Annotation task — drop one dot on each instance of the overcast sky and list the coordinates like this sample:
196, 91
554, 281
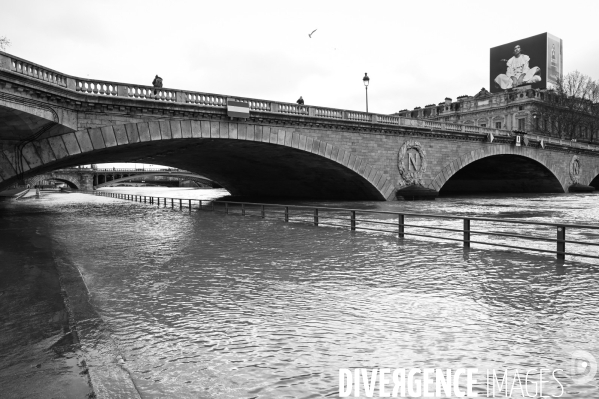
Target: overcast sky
416, 53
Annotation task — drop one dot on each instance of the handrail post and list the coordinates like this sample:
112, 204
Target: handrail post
466, 233
189, 205
180, 204
286, 213
200, 205
401, 225
242, 209
226, 208
315, 216
353, 220
212, 204
263, 212
561, 243
172, 203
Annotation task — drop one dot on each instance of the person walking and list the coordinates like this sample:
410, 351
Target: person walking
300, 101
157, 82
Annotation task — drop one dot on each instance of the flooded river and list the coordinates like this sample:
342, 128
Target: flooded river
204, 305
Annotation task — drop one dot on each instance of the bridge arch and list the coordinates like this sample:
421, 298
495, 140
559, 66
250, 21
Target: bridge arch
501, 168
24, 117
68, 180
247, 158
594, 178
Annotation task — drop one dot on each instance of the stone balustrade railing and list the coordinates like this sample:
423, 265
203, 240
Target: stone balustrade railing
109, 170
38, 72
149, 93
152, 93
96, 87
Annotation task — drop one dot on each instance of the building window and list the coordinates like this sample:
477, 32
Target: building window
497, 125
520, 107
521, 124
483, 125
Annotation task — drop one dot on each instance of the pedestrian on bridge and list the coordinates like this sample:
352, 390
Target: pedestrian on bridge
157, 82
300, 101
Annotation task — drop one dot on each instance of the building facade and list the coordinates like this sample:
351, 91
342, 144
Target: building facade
516, 109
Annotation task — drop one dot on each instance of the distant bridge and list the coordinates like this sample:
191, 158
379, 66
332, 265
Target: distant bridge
149, 175
88, 178
50, 120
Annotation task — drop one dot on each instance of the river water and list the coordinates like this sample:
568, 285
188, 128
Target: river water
205, 305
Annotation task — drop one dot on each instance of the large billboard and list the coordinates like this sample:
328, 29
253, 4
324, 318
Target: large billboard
536, 61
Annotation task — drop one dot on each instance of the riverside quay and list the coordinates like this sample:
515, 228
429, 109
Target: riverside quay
51, 120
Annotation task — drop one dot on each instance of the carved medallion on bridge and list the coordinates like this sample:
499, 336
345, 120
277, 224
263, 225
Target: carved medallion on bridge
575, 169
411, 162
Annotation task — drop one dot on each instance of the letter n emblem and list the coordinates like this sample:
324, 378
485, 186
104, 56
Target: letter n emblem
412, 161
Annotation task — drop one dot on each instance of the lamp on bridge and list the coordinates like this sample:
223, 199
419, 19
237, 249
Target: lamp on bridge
366, 81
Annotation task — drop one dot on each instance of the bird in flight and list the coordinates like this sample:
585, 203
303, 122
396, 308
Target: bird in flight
312, 33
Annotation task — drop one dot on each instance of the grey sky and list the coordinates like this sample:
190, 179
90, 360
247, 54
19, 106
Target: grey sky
416, 53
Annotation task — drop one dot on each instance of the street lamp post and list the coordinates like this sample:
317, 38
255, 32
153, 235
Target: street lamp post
366, 81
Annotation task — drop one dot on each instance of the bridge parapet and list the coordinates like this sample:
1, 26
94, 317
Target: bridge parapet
140, 170
32, 69
101, 88
129, 170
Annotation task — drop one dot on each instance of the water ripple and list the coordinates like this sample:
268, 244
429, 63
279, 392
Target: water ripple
213, 306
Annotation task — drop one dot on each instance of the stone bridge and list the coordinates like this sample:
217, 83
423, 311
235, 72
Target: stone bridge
79, 180
88, 178
50, 120
122, 177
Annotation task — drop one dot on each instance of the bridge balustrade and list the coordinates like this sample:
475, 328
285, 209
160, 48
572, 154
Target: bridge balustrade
124, 90
99, 88
359, 116
210, 100
389, 119
258, 105
292, 109
38, 72
328, 113
152, 93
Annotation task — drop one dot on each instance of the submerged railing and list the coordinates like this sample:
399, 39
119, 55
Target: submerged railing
396, 223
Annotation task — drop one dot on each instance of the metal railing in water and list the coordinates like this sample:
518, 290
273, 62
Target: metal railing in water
391, 222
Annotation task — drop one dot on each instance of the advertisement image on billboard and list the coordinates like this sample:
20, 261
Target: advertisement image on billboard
534, 61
